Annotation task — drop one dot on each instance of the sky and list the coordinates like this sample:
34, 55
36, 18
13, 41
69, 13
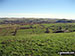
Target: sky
38, 8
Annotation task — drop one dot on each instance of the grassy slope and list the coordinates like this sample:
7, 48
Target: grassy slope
27, 43
36, 44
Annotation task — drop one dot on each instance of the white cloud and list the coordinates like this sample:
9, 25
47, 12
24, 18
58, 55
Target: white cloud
28, 15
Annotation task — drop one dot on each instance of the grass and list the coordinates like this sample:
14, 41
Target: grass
34, 42
37, 44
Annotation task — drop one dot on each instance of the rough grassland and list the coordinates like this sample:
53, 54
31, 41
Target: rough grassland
37, 44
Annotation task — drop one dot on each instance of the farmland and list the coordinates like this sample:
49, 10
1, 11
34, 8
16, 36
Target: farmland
45, 39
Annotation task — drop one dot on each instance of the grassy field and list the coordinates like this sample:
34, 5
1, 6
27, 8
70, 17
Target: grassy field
35, 42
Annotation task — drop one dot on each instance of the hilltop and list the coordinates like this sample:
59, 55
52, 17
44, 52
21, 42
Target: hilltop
34, 20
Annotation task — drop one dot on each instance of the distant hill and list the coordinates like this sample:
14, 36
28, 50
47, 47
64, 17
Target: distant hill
34, 20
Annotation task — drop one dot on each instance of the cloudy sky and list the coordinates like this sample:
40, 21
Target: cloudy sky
38, 8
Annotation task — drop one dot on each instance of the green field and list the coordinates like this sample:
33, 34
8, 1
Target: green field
35, 42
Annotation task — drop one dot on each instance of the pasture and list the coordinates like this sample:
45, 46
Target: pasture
37, 39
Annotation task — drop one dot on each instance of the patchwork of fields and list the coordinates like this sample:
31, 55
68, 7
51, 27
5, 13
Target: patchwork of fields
37, 39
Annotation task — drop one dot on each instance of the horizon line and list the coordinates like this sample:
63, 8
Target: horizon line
37, 18
35, 15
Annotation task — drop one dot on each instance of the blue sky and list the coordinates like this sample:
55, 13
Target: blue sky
38, 8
